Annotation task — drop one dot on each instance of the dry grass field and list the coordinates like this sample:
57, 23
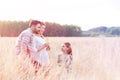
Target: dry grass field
93, 59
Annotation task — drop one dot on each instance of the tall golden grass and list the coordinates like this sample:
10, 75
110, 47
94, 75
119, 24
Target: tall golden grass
93, 59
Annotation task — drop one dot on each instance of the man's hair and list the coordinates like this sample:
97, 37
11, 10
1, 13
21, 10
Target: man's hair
35, 22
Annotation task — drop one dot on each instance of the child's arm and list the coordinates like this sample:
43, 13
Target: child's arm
59, 60
69, 61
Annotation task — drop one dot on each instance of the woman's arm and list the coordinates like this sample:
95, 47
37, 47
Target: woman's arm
42, 47
39, 49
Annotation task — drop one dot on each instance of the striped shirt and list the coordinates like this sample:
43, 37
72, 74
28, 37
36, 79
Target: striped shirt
24, 42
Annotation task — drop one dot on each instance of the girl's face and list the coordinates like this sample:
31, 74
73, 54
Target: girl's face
64, 48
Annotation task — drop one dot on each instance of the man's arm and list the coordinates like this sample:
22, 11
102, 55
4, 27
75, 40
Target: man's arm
25, 44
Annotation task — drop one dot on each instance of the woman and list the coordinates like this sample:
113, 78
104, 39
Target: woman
42, 57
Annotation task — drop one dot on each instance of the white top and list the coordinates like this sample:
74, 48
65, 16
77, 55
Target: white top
42, 56
65, 60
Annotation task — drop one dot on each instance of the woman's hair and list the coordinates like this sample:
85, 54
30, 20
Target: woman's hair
35, 22
68, 45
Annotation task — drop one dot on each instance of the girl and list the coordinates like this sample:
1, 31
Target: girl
65, 59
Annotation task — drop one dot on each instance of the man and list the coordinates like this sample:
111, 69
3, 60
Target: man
24, 41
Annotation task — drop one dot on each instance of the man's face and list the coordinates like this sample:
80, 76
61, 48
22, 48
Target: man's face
42, 29
36, 28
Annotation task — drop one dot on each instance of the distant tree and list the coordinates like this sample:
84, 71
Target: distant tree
112, 31
14, 28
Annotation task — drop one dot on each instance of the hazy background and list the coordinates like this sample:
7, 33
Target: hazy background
84, 13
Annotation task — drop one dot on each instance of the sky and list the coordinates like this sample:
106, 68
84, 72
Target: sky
84, 13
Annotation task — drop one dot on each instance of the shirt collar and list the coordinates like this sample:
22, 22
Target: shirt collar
30, 30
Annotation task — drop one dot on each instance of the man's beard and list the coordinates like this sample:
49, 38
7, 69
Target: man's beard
35, 31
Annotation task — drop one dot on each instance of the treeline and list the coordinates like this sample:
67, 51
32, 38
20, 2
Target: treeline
14, 28
103, 31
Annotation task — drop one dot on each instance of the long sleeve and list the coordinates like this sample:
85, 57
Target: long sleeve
17, 46
26, 44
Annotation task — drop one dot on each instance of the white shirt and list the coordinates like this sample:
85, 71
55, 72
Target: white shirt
42, 56
65, 59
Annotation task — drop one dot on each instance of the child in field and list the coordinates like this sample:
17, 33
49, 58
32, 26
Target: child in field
65, 59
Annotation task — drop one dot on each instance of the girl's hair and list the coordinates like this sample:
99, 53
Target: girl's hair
68, 45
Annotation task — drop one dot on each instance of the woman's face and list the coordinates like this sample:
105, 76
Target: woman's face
42, 29
64, 48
